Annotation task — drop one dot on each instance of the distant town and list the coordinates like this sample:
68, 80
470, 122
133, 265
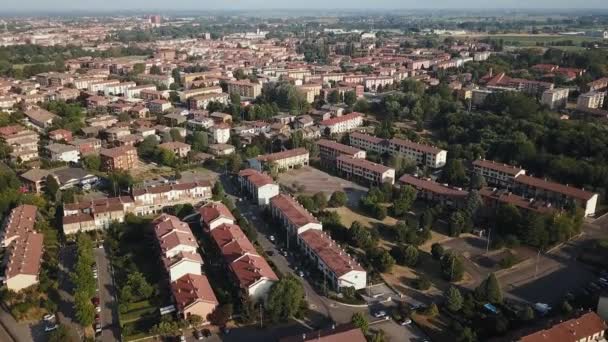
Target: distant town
350, 177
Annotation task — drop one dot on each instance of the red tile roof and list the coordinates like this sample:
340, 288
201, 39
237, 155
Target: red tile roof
293, 210
338, 261
159, 189
21, 220
172, 232
370, 138
255, 177
210, 212
363, 163
500, 167
554, 187
342, 333
283, 154
408, 144
506, 197
25, 255
344, 149
117, 151
192, 288
574, 330
431, 186
340, 119
249, 269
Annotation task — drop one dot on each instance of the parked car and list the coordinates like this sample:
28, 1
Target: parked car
272, 238
50, 327
301, 274
49, 318
98, 328
95, 301
182, 338
406, 321
225, 330
198, 335
380, 314
98, 309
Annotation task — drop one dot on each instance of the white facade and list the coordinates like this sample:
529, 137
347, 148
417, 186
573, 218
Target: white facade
220, 134
266, 192
183, 267
356, 279
260, 289
66, 156
555, 98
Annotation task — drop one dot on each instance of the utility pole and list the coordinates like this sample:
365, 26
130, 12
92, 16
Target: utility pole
488, 243
536, 267
261, 316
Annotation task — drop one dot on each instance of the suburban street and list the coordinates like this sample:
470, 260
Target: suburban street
107, 296
66, 314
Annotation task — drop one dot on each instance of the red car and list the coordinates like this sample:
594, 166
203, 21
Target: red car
95, 301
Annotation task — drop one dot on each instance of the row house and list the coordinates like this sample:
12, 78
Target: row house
258, 185
215, 214
434, 192
193, 295
24, 248
249, 270
160, 80
102, 121
497, 174
364, 170
151, 95
598, 85
61, 134
159, 106
202, 101
185, 95
380, 82
99, 86
118, 88
493, 198
135, 92
340, 270
153, 199
329, 150
294, 218
341, 124
286, 160
95, 214
589, 327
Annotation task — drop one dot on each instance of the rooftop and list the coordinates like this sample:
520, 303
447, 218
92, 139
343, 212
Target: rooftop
336, 259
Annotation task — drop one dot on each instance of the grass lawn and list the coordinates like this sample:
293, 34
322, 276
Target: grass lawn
138, 329
348, 216
138, 311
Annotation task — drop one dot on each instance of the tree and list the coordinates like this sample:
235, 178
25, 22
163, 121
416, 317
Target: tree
308, 203
566, 308
333, 97
454, 173
63, 333
85, 312
221, 314
359, 321
467, 335
200, 141
350, 97
195, 320
437, 251
286, 299
404, 200
52, 187
92, 162
405, 255
139, 68
452, 267
239, 74
457, 223
527, 314
473, 203
432, 310
477, 181
378, 337
338, 199
147, 148
360, 236
382, 260
489, 290
218, 191
235, 162
320, 200
155, 70
140, 288
454, 299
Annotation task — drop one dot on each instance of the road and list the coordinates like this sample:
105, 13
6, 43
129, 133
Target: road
66, 314
324, 311
107, 297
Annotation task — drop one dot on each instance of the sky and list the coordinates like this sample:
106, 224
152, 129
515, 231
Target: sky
201, 5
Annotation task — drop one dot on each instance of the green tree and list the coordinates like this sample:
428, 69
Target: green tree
139, 68
437, 251
52, 187
221, 314
432, 310
527, 314
404, 200
405, 255
454, 299
333, 97
338, 199
235, 163
85, 312
452, 267
454, 173
200, 141
63, 333
359, 321
467, 335
382, 260
320, 200
286, 299
489, 290
92, 162
350, 97
155, 70
147, 148
457, 223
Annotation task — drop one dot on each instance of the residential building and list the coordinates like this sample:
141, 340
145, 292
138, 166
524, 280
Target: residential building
35, 180
292, 215
494, 198
258, 185
374, 84
424, 155
23, 142
64, 153
432, 191
119, 158
221, 149
590, 100
364, 170
202, 101
193, 296
310, 91
153, 199
159, 106
40, 118
183, 263
249, 270
23, 261
342, 333
589, 327
339, 268
178, 148
244, 88
185, 95
95, 214
87, 146
20, 221
341, 124
329, 150
497, 174
287, 159
555, 193
555, 98
59, 135
215, 214
220, 133
173, 236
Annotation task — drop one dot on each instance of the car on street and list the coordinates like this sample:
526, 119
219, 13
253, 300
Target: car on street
49, 318
50, 327
301, 274
98, 309
406, 321
272, 238
225, 330
379, 314
182, 338
98, 328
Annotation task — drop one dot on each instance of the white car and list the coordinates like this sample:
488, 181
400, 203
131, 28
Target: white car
380, 314
98, 309
50, 327
271, 238
406, 321
49, 318
301, 274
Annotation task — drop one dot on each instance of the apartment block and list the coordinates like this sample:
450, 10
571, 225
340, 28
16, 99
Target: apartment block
432, 191
329, 150
153, 199
364, 171
258, 185
178, 148
292, 215
590, 100
555, 98
202, 101
23, 142
245, 88
119, 158
494, 198
497, 174
341, 124
288, 159
589, 327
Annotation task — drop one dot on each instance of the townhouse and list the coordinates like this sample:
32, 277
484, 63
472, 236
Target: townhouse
193, 295
374, 84
341, 333
174, 237
244, 88
153, 199
329, 150
364, 171
310, 91
258, 185
215, 214
23, 142
589, 327
135, 92
119, 158
185, 95
341, 124
494, 198
24, 248
95, 214
249, 270
424, 155
497, 174
287, 159
292, 215
340, 270
434, 192
555, 193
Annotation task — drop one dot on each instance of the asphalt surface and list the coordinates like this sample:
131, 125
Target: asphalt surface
107, 297
66, 313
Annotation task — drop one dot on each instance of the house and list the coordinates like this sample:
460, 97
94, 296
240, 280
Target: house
183, 263
95, 214
260, 186
159, 106
432, 191
341, 124
250, 271
119, 158
215, 214
555, 98
87, 146
178, 148
61, 134
497, 174
590, 100
193, 295
40, 118
292, 215
173, 236
339, 268
23, 142
35, 180
62, 152
153, 199
493, 198
329, 150
221, 117
589, 327
221, 149
342, 333
287, 159
364, 170
220, 133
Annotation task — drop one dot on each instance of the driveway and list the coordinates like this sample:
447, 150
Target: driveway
107, 297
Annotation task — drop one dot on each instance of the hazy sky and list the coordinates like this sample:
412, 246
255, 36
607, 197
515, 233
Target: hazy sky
60, 5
